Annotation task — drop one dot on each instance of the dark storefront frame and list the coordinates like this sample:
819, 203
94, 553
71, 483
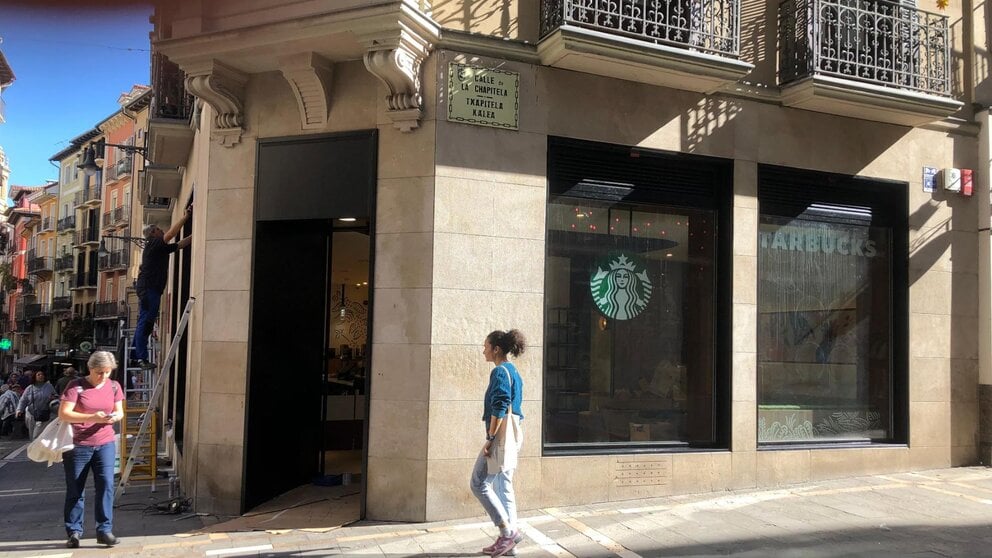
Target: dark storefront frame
615, 174
787, 192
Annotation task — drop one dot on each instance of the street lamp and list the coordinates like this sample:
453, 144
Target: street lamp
93, 155
136, 240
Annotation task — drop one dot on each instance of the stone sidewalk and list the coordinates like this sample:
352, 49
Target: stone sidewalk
944, 512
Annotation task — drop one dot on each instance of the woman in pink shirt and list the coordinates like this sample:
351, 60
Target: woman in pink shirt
92, 405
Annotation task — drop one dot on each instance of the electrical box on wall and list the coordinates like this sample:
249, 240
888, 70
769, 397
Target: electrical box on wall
950, 179
967, 184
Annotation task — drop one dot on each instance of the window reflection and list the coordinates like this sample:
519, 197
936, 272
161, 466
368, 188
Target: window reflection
630, 324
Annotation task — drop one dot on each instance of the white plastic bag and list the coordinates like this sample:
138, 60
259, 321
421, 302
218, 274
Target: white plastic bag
55, 439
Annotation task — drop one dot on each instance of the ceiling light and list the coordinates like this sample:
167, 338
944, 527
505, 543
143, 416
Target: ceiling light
347, 219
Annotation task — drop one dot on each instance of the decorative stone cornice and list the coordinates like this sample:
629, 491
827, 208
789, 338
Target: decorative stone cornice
310, 77
221, 87
394, 54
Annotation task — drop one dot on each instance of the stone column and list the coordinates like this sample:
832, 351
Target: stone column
745, 299
982, 199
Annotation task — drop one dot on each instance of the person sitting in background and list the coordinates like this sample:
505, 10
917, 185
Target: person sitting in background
8, 408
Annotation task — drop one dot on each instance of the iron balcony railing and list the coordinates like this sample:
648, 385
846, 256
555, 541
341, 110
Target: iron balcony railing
64, 262
875, 41
87, 236
67, 223
116, 216
62, 304
40, 264
110, 309
170, 99
46, 224
37, 310
87, 195
156, 203
82, 281
118, 259
711, 26
118, 169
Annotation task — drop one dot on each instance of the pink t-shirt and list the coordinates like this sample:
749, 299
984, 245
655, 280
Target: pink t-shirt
90, 399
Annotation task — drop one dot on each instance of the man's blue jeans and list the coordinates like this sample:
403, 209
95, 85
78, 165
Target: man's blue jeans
78, 462
148, 304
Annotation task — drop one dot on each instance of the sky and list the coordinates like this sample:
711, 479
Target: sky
71, 66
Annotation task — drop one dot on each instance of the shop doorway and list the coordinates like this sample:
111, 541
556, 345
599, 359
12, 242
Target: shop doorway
310, 320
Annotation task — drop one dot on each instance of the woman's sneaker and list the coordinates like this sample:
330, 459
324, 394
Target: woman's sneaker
504, 545
517, 537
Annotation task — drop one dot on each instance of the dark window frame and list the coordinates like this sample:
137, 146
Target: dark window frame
785, 190
597, 171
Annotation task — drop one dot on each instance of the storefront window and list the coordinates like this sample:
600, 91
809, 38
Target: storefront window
631, 303
825, 324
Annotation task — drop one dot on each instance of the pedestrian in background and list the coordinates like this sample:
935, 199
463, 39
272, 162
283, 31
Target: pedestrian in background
34, 404
492, 476
92, 405
8, 408
68, 375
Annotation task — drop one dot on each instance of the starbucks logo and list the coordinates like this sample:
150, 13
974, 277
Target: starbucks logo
620, 286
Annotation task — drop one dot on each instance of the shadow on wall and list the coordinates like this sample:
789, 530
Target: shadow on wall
517, 19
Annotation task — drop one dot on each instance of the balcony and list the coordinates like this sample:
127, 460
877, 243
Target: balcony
869, 59
88, 197
170, 136
684, 44
67, 223
64, 263
105, 310
155, 207
115, 217
41, 265
62, 304
118, 259
87, 236
37, 310
119, 169
82, 281
47, 224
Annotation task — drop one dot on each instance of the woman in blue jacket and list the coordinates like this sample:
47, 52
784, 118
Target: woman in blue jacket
492, 476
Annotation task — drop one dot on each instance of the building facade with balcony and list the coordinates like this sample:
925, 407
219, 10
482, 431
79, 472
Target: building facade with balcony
42, 251
114, 253
20, 216
713, 220
77, 230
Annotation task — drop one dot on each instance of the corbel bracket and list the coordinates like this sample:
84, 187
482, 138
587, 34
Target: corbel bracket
394, 55
310, 77
221, 87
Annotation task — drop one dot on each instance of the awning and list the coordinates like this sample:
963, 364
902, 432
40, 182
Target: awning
29, 359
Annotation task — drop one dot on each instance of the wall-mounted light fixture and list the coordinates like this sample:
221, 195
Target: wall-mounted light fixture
93, 155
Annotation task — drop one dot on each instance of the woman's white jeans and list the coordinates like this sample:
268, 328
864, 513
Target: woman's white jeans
35, 427
495, 493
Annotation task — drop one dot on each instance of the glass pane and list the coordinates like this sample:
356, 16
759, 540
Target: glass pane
824, 366
630, 324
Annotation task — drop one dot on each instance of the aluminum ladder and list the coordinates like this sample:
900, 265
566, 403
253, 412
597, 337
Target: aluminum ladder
139, 443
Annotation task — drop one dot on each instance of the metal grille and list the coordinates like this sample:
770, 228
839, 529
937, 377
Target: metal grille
705, 25
876, 41
170, 99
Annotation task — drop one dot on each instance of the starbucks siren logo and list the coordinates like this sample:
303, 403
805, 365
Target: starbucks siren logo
620, 286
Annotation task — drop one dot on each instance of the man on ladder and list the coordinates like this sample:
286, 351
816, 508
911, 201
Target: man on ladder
152, 276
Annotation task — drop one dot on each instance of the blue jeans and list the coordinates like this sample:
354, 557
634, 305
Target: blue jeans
77, 463
495, 493
148, 304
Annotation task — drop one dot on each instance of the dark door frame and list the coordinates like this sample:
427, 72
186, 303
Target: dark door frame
372, 183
